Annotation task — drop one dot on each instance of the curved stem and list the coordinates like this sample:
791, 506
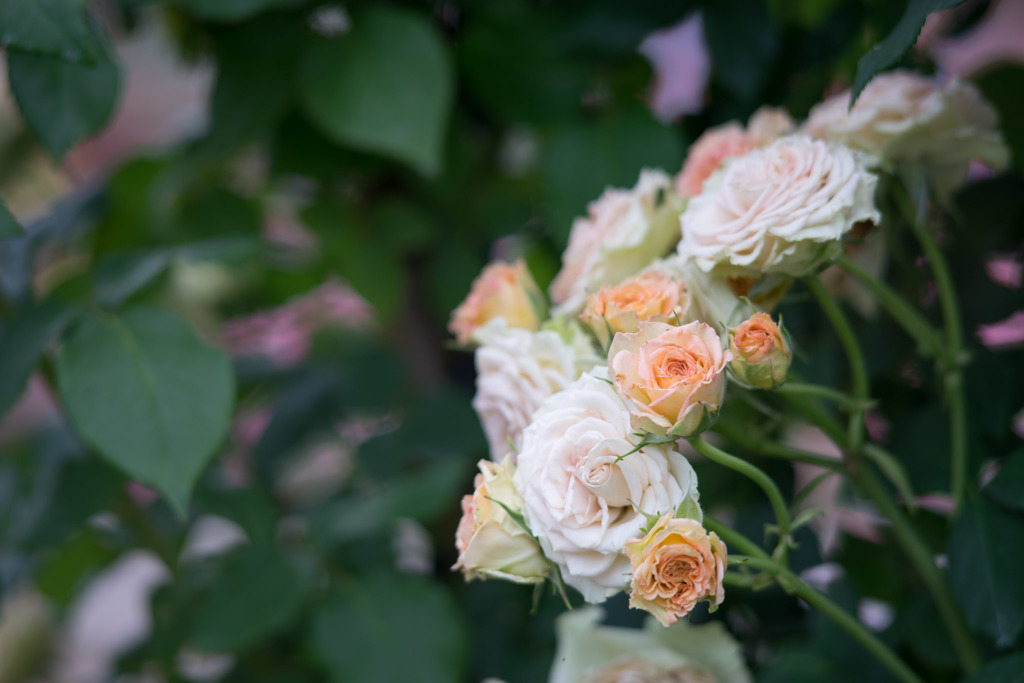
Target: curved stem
905, 315
838, 397
757, 475
775, 449
819, 601
734, 539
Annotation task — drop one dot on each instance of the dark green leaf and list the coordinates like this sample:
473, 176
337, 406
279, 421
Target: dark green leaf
119, 275
61, 575
148, 395
24, 340
1007, 487
84, 487
357, 629
9, 226
1003, 670
64, 102
224, 10
386, 87
986, 553
257, 594
884, 54
50, 27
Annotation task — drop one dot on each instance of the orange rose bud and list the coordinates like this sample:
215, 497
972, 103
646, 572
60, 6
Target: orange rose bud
760, 352
505, 290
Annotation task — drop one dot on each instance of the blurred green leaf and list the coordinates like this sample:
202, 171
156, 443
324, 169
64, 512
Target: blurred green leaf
24, 339
729, 24
64, 102
1007, 487
1001, 85
61, 575
893, 46
357, 629
1006, 669
257, 594
226, 10
986, 552
119, 275
251, 508
148, 395
385, 87
84, 488
9, 226
49, 27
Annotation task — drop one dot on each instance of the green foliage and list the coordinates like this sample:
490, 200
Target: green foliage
26, 336
9, 226
50, 27
386, 87
148, 395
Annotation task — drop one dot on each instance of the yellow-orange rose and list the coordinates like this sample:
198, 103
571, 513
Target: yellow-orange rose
504, 290
675, 566
674, 376
760, 352
650, 296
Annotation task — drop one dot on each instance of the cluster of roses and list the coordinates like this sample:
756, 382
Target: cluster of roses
662, 293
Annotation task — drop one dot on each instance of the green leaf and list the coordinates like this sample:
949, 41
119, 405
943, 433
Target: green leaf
729, 24
390, 629
84, 488
227, 10
1007, 487
986, 553
9, 226
805, 517
884, 54
64, 102
119, 275
148, 395
49, 27
24, 340
258, 594
1002, 670
386, 87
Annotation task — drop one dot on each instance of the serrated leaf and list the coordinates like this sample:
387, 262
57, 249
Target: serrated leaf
64, 102
385, 87
356, 629
23, 341
49, 27
895, 45
148, 395
257, 594
986, 553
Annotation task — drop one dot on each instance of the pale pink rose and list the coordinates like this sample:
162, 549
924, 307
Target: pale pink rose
623, 232
781, 209
650, 296
729, 140
760, 352
675, 566
505, 290
673, 376
490, 542
1005, 334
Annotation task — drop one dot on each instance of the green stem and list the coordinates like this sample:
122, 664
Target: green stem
757, 475
774, 449
858, 370
793, 584
734, 539
905, 315
845, 401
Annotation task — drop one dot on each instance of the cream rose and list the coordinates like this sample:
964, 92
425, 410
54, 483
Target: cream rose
650, 296
674, 376
505, 290
781, 209
623, 232
490, 543
675, 566
904, 116
726, 141
760, 352
516, 370
587, 487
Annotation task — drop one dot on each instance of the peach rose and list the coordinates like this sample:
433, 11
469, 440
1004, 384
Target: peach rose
650, 296
675, 566
504, 290
760, 352
673, 376
728, 140
490, 542
779, 210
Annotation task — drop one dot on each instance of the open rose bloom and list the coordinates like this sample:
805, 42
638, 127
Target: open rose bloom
648, 297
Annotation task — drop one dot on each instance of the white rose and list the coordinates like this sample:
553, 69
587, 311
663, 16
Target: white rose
624, 231
515, 371
902, 116
779, 210
583, 497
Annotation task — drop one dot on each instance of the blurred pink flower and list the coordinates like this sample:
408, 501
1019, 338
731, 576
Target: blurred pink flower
877, 426
996, 38
1005, 334
1018, 423
1006, 270
679, 56
284, 334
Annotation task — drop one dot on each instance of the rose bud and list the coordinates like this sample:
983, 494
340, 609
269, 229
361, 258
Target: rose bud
505, 290
760, 352
649, 296
491, 543
675, 566
674, 376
